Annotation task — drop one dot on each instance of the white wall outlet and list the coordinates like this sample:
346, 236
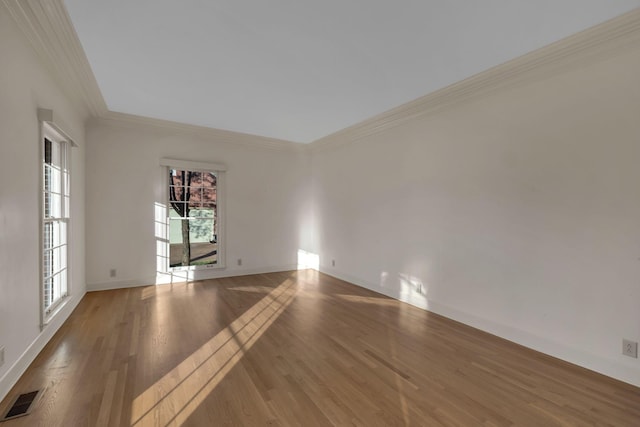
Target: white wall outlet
630, 348
113, 272
333, 263
1, 356
239, 261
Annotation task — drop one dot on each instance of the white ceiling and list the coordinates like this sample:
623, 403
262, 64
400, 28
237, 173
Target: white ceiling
300, 69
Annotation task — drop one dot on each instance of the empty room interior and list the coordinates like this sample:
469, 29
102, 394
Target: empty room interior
319, 213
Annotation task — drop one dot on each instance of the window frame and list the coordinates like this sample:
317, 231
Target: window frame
219, 171
48, 131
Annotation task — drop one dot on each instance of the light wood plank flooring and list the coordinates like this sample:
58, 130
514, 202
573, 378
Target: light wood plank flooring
298, 349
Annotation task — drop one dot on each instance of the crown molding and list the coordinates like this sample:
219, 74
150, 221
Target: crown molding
47, 26
132, 121
597, 43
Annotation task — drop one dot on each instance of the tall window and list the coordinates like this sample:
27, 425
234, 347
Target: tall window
193, 218
55, 219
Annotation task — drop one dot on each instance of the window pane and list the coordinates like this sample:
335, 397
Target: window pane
53, 205
178, 177
67, 207
67, 183
209, 197
178, 210
192, 242
201, 228
48, 235
46, 201
56, 259
47, 177
52, 238
55, 152
62, 235
175, 193
48, 291
55, 289
48, 263
64, 262
209, 179
196, 179
47, 151
55, 177
176, 173
64, 283
195, 197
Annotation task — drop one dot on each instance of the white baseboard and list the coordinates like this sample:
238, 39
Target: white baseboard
181, 276
558, 350
120, 284
625, 373
14, 373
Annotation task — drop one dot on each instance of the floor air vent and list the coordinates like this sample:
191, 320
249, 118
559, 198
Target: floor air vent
22, 406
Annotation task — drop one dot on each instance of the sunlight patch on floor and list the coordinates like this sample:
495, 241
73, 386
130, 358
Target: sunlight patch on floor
174, 397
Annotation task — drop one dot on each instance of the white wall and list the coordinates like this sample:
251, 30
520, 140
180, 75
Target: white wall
25, 86
518, 213
263, 192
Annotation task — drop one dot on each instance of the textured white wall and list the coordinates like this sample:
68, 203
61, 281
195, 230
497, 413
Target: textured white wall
125, 182
25, 86
518, 213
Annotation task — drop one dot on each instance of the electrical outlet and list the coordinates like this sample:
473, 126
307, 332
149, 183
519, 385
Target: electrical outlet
333, 263
630, 348
239, 261
1, 356
112, 272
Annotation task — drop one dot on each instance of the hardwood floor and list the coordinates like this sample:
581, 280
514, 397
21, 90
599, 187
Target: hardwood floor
298, 349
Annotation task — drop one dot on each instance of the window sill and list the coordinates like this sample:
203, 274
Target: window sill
57, 309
